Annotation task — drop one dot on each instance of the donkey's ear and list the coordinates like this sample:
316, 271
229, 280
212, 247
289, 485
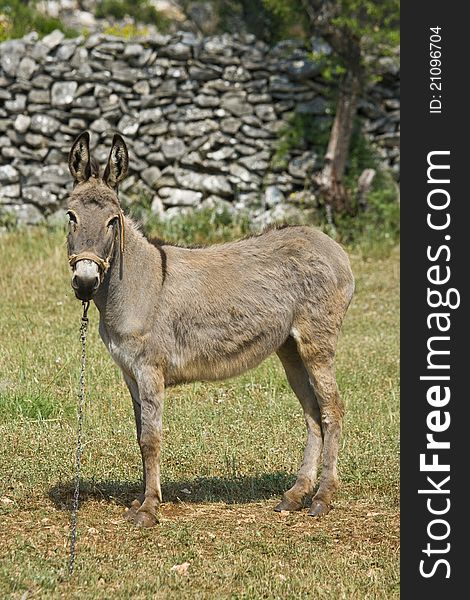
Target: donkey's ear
118, 162
79, 158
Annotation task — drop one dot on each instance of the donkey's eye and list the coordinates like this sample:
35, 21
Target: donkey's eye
112, 222
72, 220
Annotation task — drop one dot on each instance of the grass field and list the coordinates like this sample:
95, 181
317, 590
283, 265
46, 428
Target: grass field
230, 450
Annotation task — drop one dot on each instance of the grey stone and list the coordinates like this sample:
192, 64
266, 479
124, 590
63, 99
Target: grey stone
236, 104
79, 58
77, 123
178, 51
173, 148
133, 49
241, 173
22, 123
18, 104
65, 51
195, 128
155, 129
39, 51
275, 127
165, 88
179, 197
57, 219
230, 125
157, 158
8, 175
317, 106
128, 125
55, 156
57, 174
10, 153
265, 112
273, 196
205, 101
151, 176
11, 52
217, 204
303, 69
150, 115
254, 163
26, 68
141, 87
203, 73
11, 191
100, 125
39, 96
213, 184
259, 98
254, 132
63, 93
299, 167
236, 73
193, 159
177, 73
221, 154
282, 84
280, 214
42, 81
44, 124
52, 40
157, 207
246, 150
39, 196
252, 120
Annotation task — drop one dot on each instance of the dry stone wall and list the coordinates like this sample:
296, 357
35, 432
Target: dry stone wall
202, 118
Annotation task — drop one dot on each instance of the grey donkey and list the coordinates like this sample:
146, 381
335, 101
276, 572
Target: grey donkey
171, 315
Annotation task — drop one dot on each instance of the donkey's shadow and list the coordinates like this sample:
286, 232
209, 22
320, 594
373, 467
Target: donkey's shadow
231, 490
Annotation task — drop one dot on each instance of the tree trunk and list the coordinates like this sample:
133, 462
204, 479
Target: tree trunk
330, 179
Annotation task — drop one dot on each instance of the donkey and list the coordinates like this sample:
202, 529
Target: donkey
172, 315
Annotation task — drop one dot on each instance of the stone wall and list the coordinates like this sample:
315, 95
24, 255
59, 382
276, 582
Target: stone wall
202, 118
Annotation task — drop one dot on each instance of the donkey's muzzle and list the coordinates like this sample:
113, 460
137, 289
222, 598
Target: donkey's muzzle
85, 279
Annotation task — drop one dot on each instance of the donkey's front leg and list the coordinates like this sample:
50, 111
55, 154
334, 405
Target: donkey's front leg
151, 392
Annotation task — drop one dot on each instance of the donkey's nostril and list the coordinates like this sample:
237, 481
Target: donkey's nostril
75, 284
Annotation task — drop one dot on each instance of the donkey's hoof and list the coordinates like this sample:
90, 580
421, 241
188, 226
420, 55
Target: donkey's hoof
289, 505
132, 510
318, 509
145, 519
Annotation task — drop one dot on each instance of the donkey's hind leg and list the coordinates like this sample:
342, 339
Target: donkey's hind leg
298, 379
320, 367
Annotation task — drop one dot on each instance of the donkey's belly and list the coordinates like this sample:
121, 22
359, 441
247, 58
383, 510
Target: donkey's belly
218, 360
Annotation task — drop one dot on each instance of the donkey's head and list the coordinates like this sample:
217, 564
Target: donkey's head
96, 222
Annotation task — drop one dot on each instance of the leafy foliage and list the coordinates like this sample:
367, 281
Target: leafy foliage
19, 17
128, 31
141, 11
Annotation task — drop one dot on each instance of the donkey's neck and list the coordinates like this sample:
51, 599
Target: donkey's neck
131, 287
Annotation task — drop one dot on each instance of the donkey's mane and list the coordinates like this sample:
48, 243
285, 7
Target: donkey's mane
159, 242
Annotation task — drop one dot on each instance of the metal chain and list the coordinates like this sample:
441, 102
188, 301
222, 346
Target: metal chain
79, 450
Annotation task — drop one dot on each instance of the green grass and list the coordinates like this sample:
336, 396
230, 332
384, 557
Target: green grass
230, 449
19, 17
